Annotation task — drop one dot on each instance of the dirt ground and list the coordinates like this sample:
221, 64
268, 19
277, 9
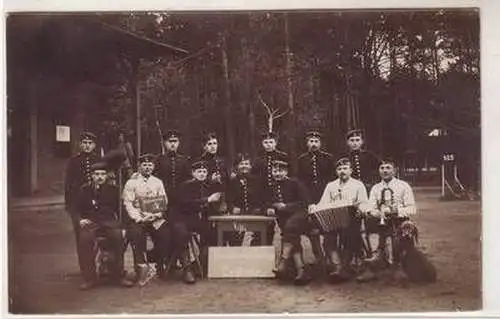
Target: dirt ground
43, 275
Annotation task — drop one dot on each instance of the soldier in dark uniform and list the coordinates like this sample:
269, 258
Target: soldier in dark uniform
263, 163
244, 188
172, 168
244, 192
288, 202
216, 164
365, 163
315, 169
97, 209
78, 173
196, 201
364, 168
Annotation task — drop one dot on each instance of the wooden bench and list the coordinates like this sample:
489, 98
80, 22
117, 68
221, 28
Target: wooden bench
253, 223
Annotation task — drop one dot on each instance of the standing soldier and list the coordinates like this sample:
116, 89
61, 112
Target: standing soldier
264, 163
172, 168
315, 170
97, 209
78, 173
364, 162
364, 168
216, 164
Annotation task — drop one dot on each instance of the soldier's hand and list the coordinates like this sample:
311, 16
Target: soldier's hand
236, 210
271, 212
311, 209
216, 177
279, 206
385, 210
214, 197
85, 222
375, 213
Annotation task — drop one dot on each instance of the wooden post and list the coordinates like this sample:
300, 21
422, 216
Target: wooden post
227, 104
136, 101
292, 127
33, 133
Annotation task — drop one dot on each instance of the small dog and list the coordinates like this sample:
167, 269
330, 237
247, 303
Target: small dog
415, 264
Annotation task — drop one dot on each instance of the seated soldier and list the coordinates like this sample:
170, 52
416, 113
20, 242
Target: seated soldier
344, 191
196, 201
243, 193
97, 207
391, 203
288, 202
137, 190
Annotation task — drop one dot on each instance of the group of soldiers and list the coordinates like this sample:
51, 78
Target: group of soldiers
193, 190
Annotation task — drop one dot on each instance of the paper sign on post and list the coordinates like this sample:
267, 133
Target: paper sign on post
62, 133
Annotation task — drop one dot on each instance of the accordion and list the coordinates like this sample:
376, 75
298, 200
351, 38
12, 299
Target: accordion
333, 219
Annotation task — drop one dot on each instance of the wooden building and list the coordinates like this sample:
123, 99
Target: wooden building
59, 68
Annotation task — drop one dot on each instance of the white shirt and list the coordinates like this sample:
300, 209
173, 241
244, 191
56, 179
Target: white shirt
141, 187
403, 199
349, 193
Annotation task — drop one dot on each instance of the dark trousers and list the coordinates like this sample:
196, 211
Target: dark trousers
391, 229
137, 234
292, 226
75, 222
86, 242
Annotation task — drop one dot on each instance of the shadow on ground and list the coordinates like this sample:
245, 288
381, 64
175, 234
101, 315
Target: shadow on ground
43, 275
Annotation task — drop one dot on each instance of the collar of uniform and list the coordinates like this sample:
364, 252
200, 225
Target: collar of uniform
171, 154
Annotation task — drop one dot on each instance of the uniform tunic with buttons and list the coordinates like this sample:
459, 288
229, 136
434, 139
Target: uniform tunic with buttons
78, 173
292, 219
315, 170
365, 167
215, 164
244, 192
263, 167
173, 169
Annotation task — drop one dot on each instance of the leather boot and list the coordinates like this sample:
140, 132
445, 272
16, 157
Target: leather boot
286, 253
338, 273
302, 277
187, 276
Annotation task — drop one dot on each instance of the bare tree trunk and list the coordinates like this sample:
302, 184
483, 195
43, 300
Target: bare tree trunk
248, 98
227, 105
291, 129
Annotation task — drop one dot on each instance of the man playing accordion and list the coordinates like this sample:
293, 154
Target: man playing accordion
391, 204
340, 203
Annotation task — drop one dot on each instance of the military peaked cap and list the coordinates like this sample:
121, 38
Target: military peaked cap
88, 136
146, 158
199, 165
355, 132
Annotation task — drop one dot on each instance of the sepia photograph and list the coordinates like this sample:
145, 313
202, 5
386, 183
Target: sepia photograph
252, 161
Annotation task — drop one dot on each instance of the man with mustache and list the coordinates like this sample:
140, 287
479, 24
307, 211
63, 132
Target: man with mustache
344, 191
288, 202
264, 162
196, 200
315, 167
138, 189
391, 199
172, 167
97, 209
315, 170
79, 173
